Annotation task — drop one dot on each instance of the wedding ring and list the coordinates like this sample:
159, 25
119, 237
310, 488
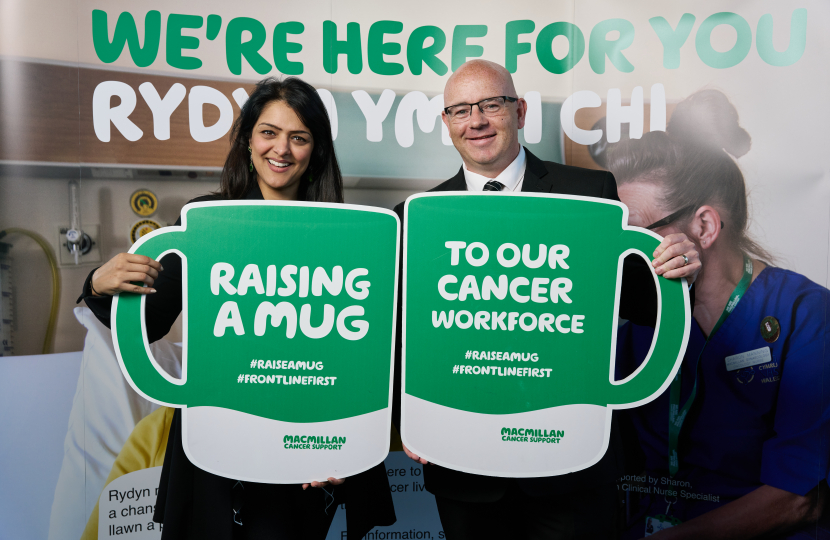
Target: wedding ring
685, 260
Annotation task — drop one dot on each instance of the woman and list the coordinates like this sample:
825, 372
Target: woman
747, 450
282, 150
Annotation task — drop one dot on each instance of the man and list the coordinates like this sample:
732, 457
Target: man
484, 114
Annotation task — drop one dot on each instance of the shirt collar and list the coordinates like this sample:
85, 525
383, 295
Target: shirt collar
511, 176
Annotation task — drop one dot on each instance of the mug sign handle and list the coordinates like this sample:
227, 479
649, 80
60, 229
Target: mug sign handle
129, 335
671, 331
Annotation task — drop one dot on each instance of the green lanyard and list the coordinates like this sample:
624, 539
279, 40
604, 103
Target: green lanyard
678, 415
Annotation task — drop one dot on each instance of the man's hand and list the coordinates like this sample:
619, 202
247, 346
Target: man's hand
332, 481
668, 261
413, 457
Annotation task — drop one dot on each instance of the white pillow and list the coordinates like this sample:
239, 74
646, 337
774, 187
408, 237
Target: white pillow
104, 412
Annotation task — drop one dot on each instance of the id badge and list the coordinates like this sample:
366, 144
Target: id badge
655, 524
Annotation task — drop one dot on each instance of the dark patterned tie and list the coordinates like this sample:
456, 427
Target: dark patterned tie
493, 185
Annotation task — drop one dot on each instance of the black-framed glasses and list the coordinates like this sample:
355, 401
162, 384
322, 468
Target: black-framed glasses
671, 218
493, 106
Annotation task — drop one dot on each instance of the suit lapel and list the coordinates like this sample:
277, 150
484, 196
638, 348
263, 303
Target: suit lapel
537, 177
456, 183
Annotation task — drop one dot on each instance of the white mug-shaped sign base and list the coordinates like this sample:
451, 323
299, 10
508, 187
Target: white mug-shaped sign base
567, 438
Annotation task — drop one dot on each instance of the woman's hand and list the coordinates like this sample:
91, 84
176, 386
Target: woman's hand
118, 274
332, 481
668, 258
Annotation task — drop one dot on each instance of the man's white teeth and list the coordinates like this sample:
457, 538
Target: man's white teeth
278, 163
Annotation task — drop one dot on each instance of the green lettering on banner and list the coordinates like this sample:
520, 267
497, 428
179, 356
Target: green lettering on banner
126, 32
732, 57
235, 48
795, 49
544, 45
512, 47
333, 48
416, 53
461, 50
600, 46
283, 47
672, 39
376, 48
214, 24
176, 42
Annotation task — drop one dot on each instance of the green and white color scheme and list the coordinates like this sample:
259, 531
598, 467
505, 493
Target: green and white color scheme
289, 322
510, 317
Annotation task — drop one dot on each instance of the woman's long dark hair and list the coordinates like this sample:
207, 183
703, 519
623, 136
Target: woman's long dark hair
322, 181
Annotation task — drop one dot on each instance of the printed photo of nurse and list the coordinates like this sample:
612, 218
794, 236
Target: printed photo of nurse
737, 447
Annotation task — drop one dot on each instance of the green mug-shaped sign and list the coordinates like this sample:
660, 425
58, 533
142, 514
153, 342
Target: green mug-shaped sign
510, 317
289, 319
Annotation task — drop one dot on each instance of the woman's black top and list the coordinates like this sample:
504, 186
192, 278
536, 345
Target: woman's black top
195, 504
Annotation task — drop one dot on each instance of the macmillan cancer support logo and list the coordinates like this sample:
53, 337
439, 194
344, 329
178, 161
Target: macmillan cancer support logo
532, 435
313, 442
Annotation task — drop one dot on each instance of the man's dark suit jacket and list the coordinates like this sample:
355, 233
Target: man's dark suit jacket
638, 303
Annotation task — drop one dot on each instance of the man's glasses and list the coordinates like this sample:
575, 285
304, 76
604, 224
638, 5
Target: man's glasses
493, 106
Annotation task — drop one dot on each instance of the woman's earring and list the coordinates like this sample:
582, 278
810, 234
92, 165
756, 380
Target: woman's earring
251, 162
310, 178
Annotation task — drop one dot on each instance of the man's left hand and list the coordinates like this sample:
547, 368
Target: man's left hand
668, 261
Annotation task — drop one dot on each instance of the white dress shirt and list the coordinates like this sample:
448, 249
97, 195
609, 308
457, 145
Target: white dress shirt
512, 177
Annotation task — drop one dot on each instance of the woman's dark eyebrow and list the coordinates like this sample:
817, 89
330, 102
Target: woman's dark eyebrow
280, 129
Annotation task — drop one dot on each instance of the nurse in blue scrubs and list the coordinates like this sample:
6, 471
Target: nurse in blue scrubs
737, 447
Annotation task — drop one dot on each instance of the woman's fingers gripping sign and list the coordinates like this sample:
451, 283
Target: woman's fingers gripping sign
123, 272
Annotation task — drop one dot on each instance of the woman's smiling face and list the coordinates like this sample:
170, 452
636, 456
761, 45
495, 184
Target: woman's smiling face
281, 147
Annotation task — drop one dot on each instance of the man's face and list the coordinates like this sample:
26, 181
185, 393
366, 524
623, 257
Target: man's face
487, 144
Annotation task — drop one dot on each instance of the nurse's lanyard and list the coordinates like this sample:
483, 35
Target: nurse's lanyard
677, 415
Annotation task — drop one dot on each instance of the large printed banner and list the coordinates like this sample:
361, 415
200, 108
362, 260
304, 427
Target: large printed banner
508, 331
712, 113
271, 290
